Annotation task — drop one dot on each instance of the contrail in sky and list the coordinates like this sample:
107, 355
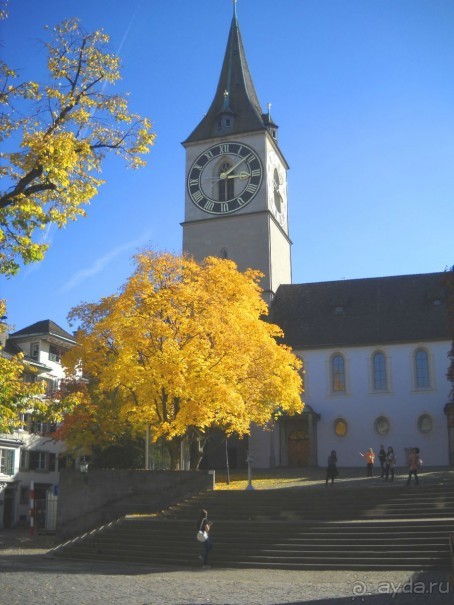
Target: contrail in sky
100, 263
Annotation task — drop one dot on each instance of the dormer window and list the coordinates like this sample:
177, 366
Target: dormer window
225, 121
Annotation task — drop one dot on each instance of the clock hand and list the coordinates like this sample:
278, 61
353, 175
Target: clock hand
223, 175
242, 175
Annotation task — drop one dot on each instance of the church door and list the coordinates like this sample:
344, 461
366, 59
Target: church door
298, 448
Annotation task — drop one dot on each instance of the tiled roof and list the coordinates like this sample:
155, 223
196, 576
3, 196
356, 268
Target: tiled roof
44, 327
362, 311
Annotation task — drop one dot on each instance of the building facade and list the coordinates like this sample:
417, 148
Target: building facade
374, 350
29, 457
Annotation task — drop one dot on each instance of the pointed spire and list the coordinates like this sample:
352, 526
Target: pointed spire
235, 108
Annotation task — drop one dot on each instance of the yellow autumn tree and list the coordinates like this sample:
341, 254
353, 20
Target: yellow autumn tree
16, 396
188, 348
60, 131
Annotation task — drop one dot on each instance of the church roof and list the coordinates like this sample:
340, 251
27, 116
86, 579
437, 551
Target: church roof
46, 327
235, 95
357, 312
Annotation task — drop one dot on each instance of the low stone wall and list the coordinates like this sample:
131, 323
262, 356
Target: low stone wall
88, 501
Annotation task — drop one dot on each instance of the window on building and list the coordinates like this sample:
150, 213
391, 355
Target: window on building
6, 461
54, 354
425, 423
51, 461
34, 350
338, 374
225, 185
42, 461
38, 460
23, 460
43, 428
26, 421
29, 377
422, 369
380, 381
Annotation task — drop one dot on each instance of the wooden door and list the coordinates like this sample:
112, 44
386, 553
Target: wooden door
298, 448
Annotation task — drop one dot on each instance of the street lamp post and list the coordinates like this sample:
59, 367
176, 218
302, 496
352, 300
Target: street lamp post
249, 461
83, 467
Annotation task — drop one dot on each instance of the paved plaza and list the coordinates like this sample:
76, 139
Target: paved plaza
29, 577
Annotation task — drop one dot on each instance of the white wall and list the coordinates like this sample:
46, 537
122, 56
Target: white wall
402, 404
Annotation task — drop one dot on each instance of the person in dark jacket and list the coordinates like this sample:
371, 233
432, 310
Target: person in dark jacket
390, 463
382, 459
331, 469
204, 525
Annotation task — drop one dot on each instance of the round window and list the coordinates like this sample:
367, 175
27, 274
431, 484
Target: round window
340, 427
425, 423
382, 425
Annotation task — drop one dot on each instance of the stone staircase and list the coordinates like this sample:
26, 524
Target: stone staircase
389, 526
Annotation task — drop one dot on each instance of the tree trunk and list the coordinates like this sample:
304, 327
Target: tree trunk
174, 449
197, 452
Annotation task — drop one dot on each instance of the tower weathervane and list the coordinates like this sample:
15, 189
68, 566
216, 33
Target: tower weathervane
234, 8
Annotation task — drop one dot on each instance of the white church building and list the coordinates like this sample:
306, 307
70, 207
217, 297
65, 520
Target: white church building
374, 350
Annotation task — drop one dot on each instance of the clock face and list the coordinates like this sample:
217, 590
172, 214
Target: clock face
277, 188
224, 178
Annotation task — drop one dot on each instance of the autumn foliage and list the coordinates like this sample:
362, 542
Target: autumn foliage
16, 396
185, 348
59, 132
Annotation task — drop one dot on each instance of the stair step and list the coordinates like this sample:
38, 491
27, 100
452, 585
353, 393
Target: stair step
292, 528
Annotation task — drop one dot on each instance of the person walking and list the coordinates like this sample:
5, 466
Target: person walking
382, 458
331, 469
203, 525
414, 462
369, 457
390, 464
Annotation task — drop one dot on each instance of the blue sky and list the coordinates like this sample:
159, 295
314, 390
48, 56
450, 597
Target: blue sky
363, 93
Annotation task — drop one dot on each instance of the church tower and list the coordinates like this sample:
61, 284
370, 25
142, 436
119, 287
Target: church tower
236, 178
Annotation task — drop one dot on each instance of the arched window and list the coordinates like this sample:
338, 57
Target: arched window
338, 374
380, 381
425, 423
422, 369
225, 185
